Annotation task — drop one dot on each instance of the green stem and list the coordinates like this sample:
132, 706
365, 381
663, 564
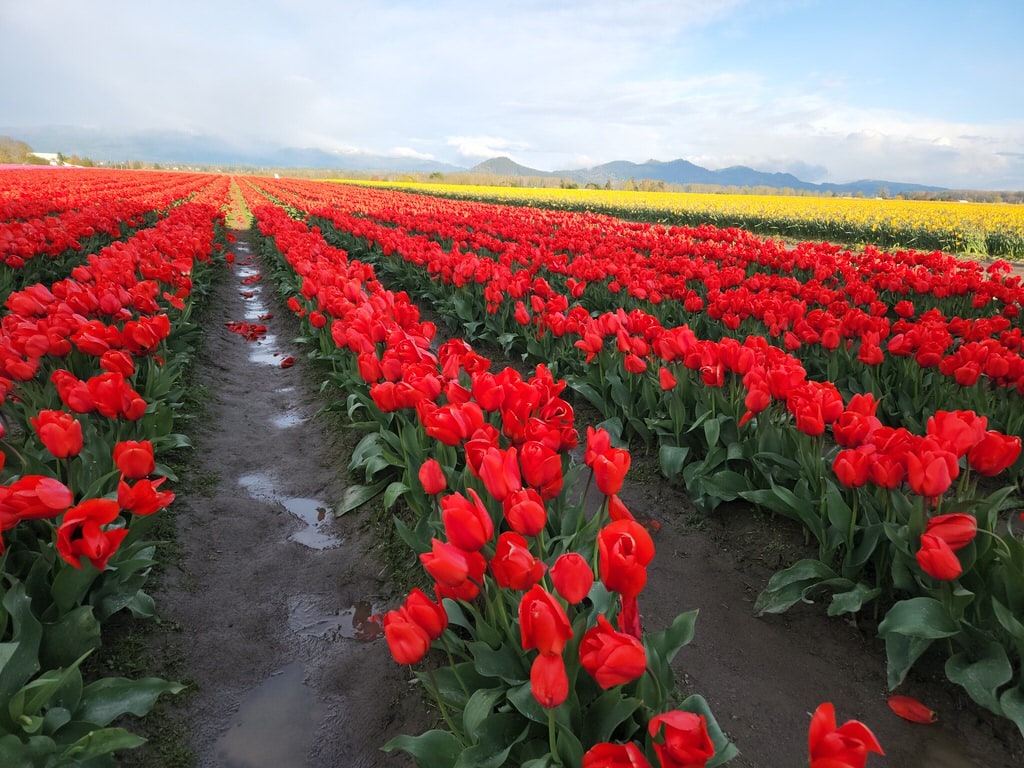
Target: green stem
444, 710
552, 745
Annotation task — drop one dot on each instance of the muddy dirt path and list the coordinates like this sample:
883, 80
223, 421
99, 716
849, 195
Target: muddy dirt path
273, 602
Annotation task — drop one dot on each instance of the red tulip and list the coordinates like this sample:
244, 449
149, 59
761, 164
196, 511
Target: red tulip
143, 498
542, 622
407, 640
134, 458
467, 523
114, 398
59, 432
852, 467
549, 682
499, 471
572, 576
931, 470
542, 468
957, 431
457, 572
117, 361
525, 512
73, 392
956, 529
612, 658
937, 558
432, 477
844, 747
451, 424
666, 380
430, 615
994, 453
81, 533
624, 550
617, 509
610, 470
598, 442
681, 739
607, 755
513, 565
34, 497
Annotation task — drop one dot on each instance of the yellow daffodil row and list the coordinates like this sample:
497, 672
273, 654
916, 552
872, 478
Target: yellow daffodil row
992, 229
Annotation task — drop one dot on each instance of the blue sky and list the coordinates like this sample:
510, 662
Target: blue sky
927, 91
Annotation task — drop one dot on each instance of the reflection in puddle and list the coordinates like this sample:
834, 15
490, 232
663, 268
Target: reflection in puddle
288, 420
274, 725
315, 513
362, 621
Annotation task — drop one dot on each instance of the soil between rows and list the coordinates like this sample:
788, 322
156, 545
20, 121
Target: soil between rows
273, 596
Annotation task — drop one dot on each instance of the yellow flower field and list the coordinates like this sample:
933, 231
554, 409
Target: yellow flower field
988, 229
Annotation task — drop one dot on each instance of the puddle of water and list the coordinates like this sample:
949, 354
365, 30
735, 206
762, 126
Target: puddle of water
362, 621
275, 724
315, 513
264, 351
286, 420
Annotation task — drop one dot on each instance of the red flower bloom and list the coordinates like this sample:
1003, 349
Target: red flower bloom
499, 470
572, 576
624, 550
957, 529
143, 498
852, 467
612, 658
134, 458
432, 477
607, 755
617, 509
513, 565
549, 682
59, 432
457, 572
994, 453
937, 558
542, 622
957, 431
525, 512
430, 615
33, 497
844, 747
467, 523
451, 424
610, 470
666, 380
114, 398
931, 469
681, 739
81, 533
542, 468
407, 640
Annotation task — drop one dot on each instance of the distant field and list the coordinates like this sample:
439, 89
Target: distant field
984, 229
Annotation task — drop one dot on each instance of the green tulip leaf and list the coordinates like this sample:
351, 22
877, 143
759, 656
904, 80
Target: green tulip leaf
110, 697
479, 707
981, 674
1012, 704
608, 711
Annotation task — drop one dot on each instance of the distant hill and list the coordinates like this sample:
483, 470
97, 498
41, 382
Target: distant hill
685, 172
184, 148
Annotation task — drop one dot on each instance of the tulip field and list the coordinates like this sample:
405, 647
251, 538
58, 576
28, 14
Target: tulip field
986, 229
873, 398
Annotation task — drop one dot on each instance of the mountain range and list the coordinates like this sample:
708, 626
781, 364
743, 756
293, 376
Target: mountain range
685, 172
183, 148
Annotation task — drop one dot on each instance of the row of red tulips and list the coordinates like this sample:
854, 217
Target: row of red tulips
743, 420
841, 317
536, 601
90, 368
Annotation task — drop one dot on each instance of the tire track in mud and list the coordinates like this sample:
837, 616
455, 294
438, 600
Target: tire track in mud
276, 599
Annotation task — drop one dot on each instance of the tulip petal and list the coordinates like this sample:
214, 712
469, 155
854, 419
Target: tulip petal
911, 709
